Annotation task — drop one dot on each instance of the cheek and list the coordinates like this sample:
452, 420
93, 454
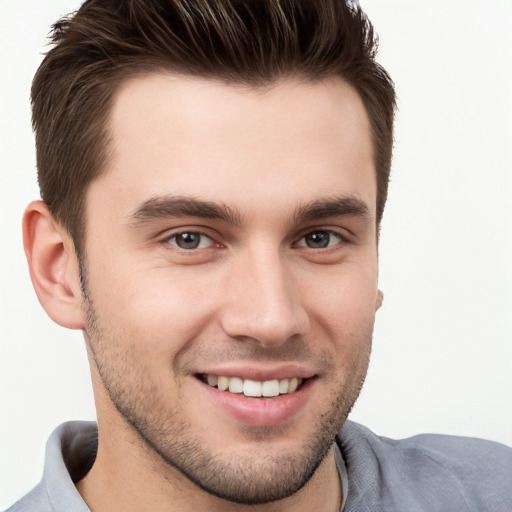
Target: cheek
153, 307
346, 301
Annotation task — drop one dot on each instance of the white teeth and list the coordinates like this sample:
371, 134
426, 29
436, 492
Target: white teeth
212, 380
236, 385
283, 386
270, 388
254, 388
223, 383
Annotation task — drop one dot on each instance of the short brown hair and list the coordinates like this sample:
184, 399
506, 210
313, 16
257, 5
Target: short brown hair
250, 42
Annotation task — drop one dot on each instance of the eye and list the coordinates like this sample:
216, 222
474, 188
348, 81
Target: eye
320, 239
190, 240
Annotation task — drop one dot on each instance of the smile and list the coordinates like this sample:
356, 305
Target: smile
254, 388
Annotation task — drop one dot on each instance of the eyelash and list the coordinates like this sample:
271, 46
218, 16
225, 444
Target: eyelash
341, 239
192, 233
331, 233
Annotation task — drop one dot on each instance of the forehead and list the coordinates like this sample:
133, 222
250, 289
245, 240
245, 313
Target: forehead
186, 136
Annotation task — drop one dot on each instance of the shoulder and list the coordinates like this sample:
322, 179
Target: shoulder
70, 452
432, 471
35, 500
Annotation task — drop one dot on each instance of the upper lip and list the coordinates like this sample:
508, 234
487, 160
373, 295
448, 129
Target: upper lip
259, 373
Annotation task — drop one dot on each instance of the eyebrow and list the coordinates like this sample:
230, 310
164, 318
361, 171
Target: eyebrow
333, 207
177, 206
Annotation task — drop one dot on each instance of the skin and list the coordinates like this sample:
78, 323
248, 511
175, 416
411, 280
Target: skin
258, 296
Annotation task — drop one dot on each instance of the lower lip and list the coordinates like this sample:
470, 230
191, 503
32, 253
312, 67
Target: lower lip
260, 411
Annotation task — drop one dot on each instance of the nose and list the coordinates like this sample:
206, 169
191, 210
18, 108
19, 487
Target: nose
263, 302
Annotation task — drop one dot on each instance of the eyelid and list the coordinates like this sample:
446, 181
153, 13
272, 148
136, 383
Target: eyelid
170, 234
338, 233
201, 236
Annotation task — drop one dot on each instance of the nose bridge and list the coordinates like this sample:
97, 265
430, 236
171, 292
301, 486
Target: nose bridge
262, 302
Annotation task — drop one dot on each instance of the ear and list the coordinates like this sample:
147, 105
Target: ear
53, 266
380, 300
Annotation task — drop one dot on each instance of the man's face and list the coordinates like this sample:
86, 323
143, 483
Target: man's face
232, 242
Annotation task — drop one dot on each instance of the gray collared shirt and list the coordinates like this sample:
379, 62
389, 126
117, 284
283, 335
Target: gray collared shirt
425, 473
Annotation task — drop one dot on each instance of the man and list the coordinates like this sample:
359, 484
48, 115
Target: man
213, 179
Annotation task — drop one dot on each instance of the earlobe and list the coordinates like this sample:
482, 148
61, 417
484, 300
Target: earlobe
53, 266
380, 299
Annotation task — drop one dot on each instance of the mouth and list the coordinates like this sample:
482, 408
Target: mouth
258, 397
253, 388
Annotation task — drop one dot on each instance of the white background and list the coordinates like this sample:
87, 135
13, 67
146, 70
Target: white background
442, 359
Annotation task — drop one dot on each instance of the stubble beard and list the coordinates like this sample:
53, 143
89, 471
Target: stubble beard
248, 480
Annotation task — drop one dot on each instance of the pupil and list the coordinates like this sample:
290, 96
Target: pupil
188, 240
317, 240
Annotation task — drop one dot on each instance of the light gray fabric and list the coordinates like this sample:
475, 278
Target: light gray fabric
70, 450
342, 473
426, 473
